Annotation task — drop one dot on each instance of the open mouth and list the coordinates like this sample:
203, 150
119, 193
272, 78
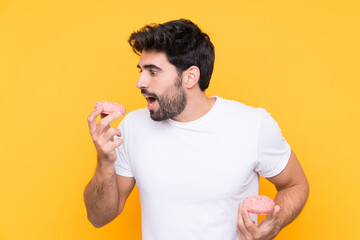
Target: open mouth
151, 100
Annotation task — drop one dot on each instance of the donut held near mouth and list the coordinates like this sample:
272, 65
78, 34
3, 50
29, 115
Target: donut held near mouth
110, 107
259, 204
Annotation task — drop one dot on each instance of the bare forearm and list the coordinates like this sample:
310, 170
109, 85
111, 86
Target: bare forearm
291, 201
101, 196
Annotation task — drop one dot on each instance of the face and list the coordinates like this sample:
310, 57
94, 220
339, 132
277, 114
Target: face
161, 85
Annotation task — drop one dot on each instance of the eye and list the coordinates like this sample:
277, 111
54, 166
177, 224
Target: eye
153, 72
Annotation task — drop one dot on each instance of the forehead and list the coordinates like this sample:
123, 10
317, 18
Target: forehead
155, 58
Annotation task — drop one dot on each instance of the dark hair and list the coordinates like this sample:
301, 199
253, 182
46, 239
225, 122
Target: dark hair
184, 44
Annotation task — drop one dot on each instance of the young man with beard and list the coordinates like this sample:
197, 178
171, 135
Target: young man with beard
193, 158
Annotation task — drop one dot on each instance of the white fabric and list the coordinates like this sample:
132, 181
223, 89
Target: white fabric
192, 176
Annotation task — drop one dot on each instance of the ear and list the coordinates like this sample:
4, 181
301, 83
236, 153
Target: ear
191, 76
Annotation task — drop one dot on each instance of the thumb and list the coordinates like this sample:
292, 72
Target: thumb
276, 211
270, 217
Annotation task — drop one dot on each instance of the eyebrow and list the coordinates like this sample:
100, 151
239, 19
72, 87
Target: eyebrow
149, 66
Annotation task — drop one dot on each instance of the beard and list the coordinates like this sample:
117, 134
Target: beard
171, 103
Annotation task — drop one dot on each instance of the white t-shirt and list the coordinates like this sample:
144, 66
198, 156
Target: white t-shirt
192, 176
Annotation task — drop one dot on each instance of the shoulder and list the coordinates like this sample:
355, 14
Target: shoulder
140, 120
142, 113
238, 109
136, 117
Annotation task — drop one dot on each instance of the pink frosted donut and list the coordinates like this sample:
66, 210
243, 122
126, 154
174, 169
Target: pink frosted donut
259, 204
110, 107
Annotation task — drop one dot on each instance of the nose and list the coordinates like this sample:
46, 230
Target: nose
143, 82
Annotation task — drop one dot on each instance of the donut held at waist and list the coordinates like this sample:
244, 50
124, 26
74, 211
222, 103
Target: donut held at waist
259, 204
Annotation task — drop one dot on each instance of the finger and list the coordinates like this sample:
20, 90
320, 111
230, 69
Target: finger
249, 223
107, 120
244, 232
271, 218
240, 235
117, 132
112, 145
117, 143
109, 135
243, 236
92, 119
276, 211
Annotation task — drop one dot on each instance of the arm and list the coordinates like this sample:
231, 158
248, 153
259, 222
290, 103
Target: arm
293, 190
106, 193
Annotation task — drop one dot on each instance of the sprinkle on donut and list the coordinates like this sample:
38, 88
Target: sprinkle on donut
110, 107
259, 204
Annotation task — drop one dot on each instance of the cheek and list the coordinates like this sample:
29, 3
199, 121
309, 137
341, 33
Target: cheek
164, 82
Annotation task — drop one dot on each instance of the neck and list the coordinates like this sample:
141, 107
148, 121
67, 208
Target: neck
198, 104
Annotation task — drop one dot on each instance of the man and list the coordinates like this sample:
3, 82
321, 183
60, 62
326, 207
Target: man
194, 158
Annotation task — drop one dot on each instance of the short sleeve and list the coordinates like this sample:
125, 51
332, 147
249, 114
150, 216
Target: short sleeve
273, 150
122, 164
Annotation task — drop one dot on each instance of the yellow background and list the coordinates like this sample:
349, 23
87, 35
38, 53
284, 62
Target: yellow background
297, 59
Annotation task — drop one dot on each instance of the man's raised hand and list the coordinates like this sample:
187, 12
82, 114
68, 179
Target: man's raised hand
103, 135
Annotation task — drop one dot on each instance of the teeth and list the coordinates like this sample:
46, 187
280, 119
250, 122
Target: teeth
150, 103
